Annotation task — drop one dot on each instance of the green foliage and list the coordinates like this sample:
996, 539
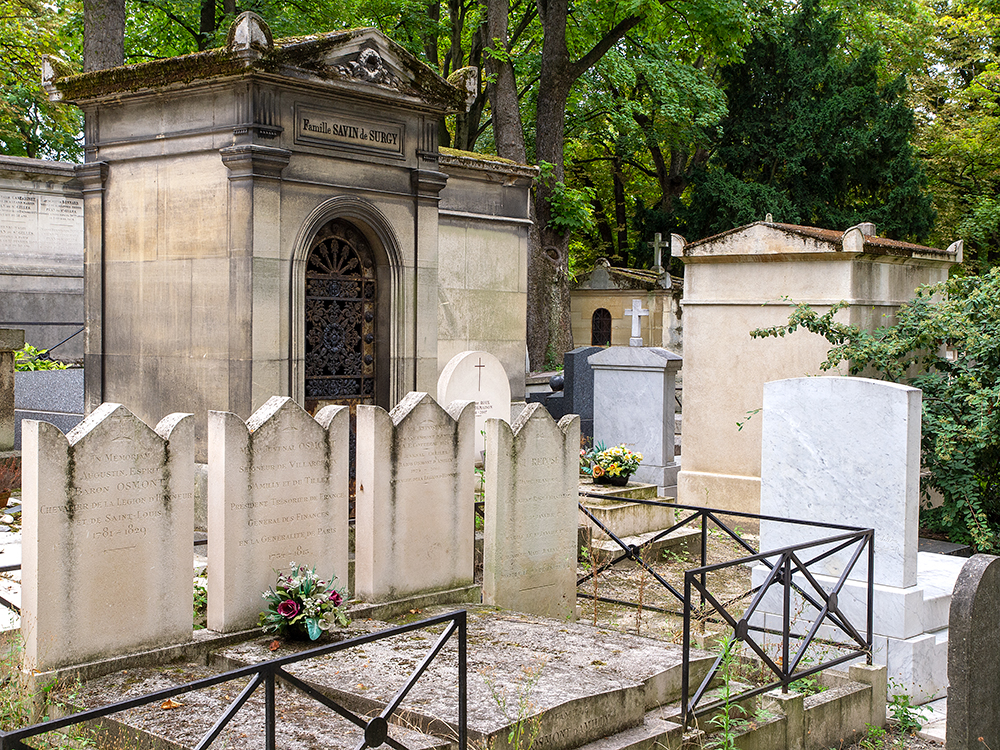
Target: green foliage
946, 342
30, 358
30, 125
960, 129
909, 717
571, 207
813, 137
875, 738
727, 721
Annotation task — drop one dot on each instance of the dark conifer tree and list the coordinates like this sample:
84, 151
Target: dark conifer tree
813, 138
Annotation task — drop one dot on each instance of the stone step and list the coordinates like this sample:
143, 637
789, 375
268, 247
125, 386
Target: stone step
685, 542
655, 733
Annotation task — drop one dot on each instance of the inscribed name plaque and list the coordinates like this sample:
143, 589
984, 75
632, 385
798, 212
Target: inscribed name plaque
415, 517
346, 130
479, 377
530, 533
277, 494
39, 223
108, 521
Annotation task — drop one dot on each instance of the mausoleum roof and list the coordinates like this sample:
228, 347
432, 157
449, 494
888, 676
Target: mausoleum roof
764, 237
604, 276
363, 61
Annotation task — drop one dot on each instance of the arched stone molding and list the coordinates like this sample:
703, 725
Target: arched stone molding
372, 223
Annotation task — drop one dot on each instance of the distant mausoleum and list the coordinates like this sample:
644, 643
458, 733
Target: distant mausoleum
599, 299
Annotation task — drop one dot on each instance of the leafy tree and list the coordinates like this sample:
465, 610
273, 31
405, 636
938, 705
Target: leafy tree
947, 343
812, 137
29, 124
570, 45
960, 129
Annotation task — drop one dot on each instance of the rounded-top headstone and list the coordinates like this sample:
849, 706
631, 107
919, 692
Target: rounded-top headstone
480, 377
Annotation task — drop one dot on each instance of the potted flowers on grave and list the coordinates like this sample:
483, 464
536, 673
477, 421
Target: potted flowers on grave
302, 606
611, 465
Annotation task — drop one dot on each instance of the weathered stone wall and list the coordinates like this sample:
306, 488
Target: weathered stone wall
482, 261
41, 252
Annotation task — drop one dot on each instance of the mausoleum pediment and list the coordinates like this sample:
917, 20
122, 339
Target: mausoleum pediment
363, 62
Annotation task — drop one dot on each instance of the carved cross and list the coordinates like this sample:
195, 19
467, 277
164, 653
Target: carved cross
636, 313
480, 367
658, 247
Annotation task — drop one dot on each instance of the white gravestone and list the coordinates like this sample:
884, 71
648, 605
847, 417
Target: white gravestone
847, 451
636, 313
415, 517
277, 494
530, 533
108, 521
479, 377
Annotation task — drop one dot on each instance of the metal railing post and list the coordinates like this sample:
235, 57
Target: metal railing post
269, 711
786, 626
686, 653
462, 681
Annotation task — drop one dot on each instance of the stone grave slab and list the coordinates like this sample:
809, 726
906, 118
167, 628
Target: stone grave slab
529, 536
277, 494
582, 683
480, 377
415, 517
107, 524
302, 723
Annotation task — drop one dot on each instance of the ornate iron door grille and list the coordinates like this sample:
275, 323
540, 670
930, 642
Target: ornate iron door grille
340, 319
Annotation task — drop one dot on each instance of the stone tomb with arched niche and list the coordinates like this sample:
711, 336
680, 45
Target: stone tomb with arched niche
275, 217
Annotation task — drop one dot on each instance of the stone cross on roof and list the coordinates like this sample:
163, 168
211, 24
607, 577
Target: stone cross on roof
636, 313
658, 247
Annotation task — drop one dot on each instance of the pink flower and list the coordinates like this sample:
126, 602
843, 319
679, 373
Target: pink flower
288, 608
336, 598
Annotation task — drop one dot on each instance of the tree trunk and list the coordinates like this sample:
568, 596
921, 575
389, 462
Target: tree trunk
103, 34
550, 334
508, 131
207, 25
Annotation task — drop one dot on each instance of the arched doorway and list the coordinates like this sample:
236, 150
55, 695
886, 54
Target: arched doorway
600, 328
341, 319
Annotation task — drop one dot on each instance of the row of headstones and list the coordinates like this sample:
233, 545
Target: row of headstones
108, 516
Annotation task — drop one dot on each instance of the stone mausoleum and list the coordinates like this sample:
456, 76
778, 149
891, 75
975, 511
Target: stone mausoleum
275, 217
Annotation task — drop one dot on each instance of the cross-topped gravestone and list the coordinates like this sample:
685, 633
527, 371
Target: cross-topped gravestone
659, 245
636, 313
480, 377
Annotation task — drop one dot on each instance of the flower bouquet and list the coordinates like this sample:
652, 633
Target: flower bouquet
611, 465
301, 605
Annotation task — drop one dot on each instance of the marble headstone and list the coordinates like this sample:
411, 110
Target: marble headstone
634, 404
108, 520
530, 532
479, 377
415, 518
277, 494
844, 451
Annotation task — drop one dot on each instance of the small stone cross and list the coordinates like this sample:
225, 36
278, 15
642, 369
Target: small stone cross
636, 313
480, 367
658, 247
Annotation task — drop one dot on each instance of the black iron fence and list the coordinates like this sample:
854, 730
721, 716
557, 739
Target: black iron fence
791, 569
374, 731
